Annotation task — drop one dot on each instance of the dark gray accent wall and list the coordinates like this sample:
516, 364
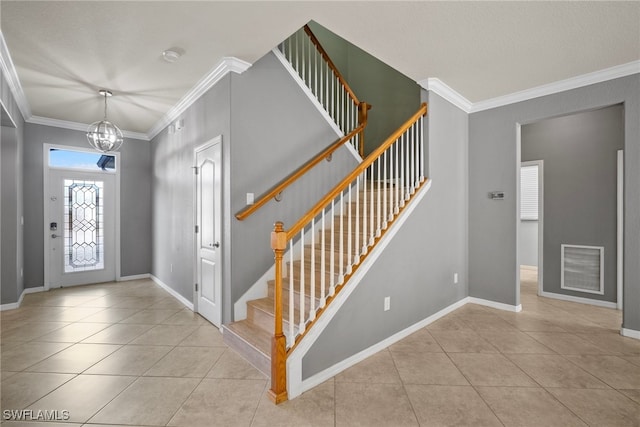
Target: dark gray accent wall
580, 184
11, 197
416, 269
269, 128
394, 96
493, 157
135, 207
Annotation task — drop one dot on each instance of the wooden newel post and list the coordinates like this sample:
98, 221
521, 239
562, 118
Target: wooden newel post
363, 110
278, 391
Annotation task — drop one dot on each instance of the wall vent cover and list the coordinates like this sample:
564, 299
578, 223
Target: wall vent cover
582, 268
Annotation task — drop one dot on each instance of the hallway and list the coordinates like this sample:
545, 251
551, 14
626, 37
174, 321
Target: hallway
128, 353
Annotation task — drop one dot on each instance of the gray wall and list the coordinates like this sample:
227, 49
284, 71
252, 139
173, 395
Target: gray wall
135, 207
416, 269
580, 181
394, 96
494, 155
269, 128
528, 243
11, 197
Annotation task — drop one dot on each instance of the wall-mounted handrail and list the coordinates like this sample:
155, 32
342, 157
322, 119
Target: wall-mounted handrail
333, 238
294, 176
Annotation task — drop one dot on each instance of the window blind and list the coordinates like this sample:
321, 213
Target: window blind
529, 193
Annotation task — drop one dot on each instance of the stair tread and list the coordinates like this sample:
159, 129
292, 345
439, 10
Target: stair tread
254, 335
267, 305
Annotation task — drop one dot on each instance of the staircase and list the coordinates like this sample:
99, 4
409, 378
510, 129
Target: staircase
251, 337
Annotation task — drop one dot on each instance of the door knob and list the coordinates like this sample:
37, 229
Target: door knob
215, 245
53, 236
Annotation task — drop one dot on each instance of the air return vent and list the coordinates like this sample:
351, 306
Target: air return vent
582, 268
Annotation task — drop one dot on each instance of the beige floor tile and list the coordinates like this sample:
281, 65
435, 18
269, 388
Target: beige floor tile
427, 368
528, 407
614, 342
462, 342
148, 401
133, 302
31, 331
41, 314
24, 388
314, 408
75, 359
555, 371
164, 335
378, 368
75, 314
186, 362
20, 357
185, 317
449, 323
6, 375
84, 395
232, 366
118, 334
204, 336
228, 402
566, 343
43, 424
130, 360
514, 342
73, 333
632, 359
616, 372
454, 406
491, 370
150, 317
487, 322
111, 315
373, 405
632, 394
600, 407
418, 341
169, 303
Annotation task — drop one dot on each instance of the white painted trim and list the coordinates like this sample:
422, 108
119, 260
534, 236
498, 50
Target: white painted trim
65, 124
334, 370
559, 86
440, 88
133, 277
9, 71
620, 230
562, 269
581, 300
630, 333
14, 305
296, 77
172, 292
496, 305
225, 66
294, 361
4, 107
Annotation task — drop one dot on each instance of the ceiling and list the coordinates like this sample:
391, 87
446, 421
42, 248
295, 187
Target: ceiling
64, 51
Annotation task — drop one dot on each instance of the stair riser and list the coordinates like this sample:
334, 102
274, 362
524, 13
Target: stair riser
253, 356
296, 296
266, 319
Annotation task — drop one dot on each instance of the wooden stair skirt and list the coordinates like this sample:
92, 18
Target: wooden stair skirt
251, 337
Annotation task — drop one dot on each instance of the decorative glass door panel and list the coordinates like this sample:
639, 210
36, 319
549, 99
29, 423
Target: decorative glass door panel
83, 225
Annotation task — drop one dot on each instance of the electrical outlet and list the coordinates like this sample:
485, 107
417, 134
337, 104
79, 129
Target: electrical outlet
250, 198
171, 267
455, 278
387, 303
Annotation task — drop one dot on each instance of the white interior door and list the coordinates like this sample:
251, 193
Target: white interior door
208, 232
81, 228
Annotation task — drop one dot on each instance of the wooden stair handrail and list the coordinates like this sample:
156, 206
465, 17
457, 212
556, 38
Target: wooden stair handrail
354, 174
244, 213
333, 67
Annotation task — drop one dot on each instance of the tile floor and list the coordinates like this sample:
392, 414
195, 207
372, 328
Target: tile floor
129, 354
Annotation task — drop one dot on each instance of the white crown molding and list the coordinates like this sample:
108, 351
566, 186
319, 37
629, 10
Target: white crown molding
13, 81
64, 124
560, 86
440, 88
226, 65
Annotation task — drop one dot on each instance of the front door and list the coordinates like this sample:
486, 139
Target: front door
208, 231
80, 228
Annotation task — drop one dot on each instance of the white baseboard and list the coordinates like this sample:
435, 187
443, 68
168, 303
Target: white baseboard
630, 333
173, 293
571, 298
133, 277
14, 305
496, 305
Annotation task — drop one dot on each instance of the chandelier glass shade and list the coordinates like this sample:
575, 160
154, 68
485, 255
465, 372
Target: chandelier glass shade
103, 135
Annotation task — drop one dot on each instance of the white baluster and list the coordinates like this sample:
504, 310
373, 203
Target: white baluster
357, 242
302, 265
365, 212
341, 248
372, 231
396, 207
383, 218
291, 288
312, 291
332, 252
349, 237
421, 149
323, 264
379, 208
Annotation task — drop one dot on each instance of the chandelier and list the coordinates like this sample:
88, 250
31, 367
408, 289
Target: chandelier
104, 136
